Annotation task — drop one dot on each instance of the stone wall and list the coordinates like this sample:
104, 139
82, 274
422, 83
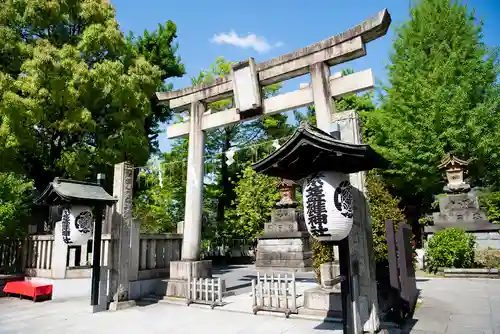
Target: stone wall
487, 239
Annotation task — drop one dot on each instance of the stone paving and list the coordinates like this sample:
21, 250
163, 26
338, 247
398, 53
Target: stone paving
73, 316
448, 306
458, 305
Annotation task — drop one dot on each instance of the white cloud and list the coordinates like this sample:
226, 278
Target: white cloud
253, 41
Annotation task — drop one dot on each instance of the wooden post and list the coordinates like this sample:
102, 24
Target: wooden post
96, 256
346, 293
286, 291
254, 293
96, 251
294, 293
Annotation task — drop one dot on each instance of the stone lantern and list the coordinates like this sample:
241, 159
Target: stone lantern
459, 207
287, 194
455, 168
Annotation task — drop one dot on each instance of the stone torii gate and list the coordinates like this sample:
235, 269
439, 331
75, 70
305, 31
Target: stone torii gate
244, 85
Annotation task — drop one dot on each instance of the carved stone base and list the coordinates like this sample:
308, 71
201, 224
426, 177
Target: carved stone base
330, 275
175, 286
289, 251
116, 306
181, 269
323, 302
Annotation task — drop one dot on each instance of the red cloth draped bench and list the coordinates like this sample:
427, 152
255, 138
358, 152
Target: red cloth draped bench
28, 289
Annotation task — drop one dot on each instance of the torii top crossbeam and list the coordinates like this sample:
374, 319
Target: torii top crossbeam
337, 49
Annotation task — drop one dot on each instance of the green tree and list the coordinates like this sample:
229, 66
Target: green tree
159, 205
442, 97
75, 95
158, 48
15, 204
256, 196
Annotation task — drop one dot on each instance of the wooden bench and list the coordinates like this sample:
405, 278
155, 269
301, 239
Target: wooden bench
28, 289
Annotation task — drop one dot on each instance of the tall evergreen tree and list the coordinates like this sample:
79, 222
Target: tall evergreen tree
442, 97
75, 95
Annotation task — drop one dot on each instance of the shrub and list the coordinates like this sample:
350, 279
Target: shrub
383, 206
452, 248
487, 258
490, 202
322, 253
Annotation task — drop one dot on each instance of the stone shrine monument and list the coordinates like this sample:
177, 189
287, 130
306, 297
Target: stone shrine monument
284, 246
459, 207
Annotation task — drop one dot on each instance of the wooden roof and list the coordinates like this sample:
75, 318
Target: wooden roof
311, 150
451, 160
71, 191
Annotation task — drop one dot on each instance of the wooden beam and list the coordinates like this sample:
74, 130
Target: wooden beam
339, 86
274, 70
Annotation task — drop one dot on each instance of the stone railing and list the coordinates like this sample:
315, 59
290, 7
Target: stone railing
236, 248
11, 257
37, 258
155, 253
38, 255
81, 256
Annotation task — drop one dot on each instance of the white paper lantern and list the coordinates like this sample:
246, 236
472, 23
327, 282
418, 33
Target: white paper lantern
328, 205
77, 225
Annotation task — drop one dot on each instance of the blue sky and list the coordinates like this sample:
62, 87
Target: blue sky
237, 30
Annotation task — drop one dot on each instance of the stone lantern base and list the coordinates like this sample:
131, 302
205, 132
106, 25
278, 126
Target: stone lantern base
284, 246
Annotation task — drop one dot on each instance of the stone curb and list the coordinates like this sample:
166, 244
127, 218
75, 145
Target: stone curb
492, 273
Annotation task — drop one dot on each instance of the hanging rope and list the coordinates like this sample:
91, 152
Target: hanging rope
171, 168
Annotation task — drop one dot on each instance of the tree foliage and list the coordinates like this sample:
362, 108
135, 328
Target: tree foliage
158, 48
75, 95
256, 196
490, 202
15, 204
322, 253
383, 207
442, 98
159, 206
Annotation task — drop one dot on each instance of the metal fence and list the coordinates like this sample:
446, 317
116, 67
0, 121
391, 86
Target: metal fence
275, 293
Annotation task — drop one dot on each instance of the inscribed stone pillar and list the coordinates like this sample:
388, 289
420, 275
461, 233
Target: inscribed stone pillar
124, 236
191, 243
360, 238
